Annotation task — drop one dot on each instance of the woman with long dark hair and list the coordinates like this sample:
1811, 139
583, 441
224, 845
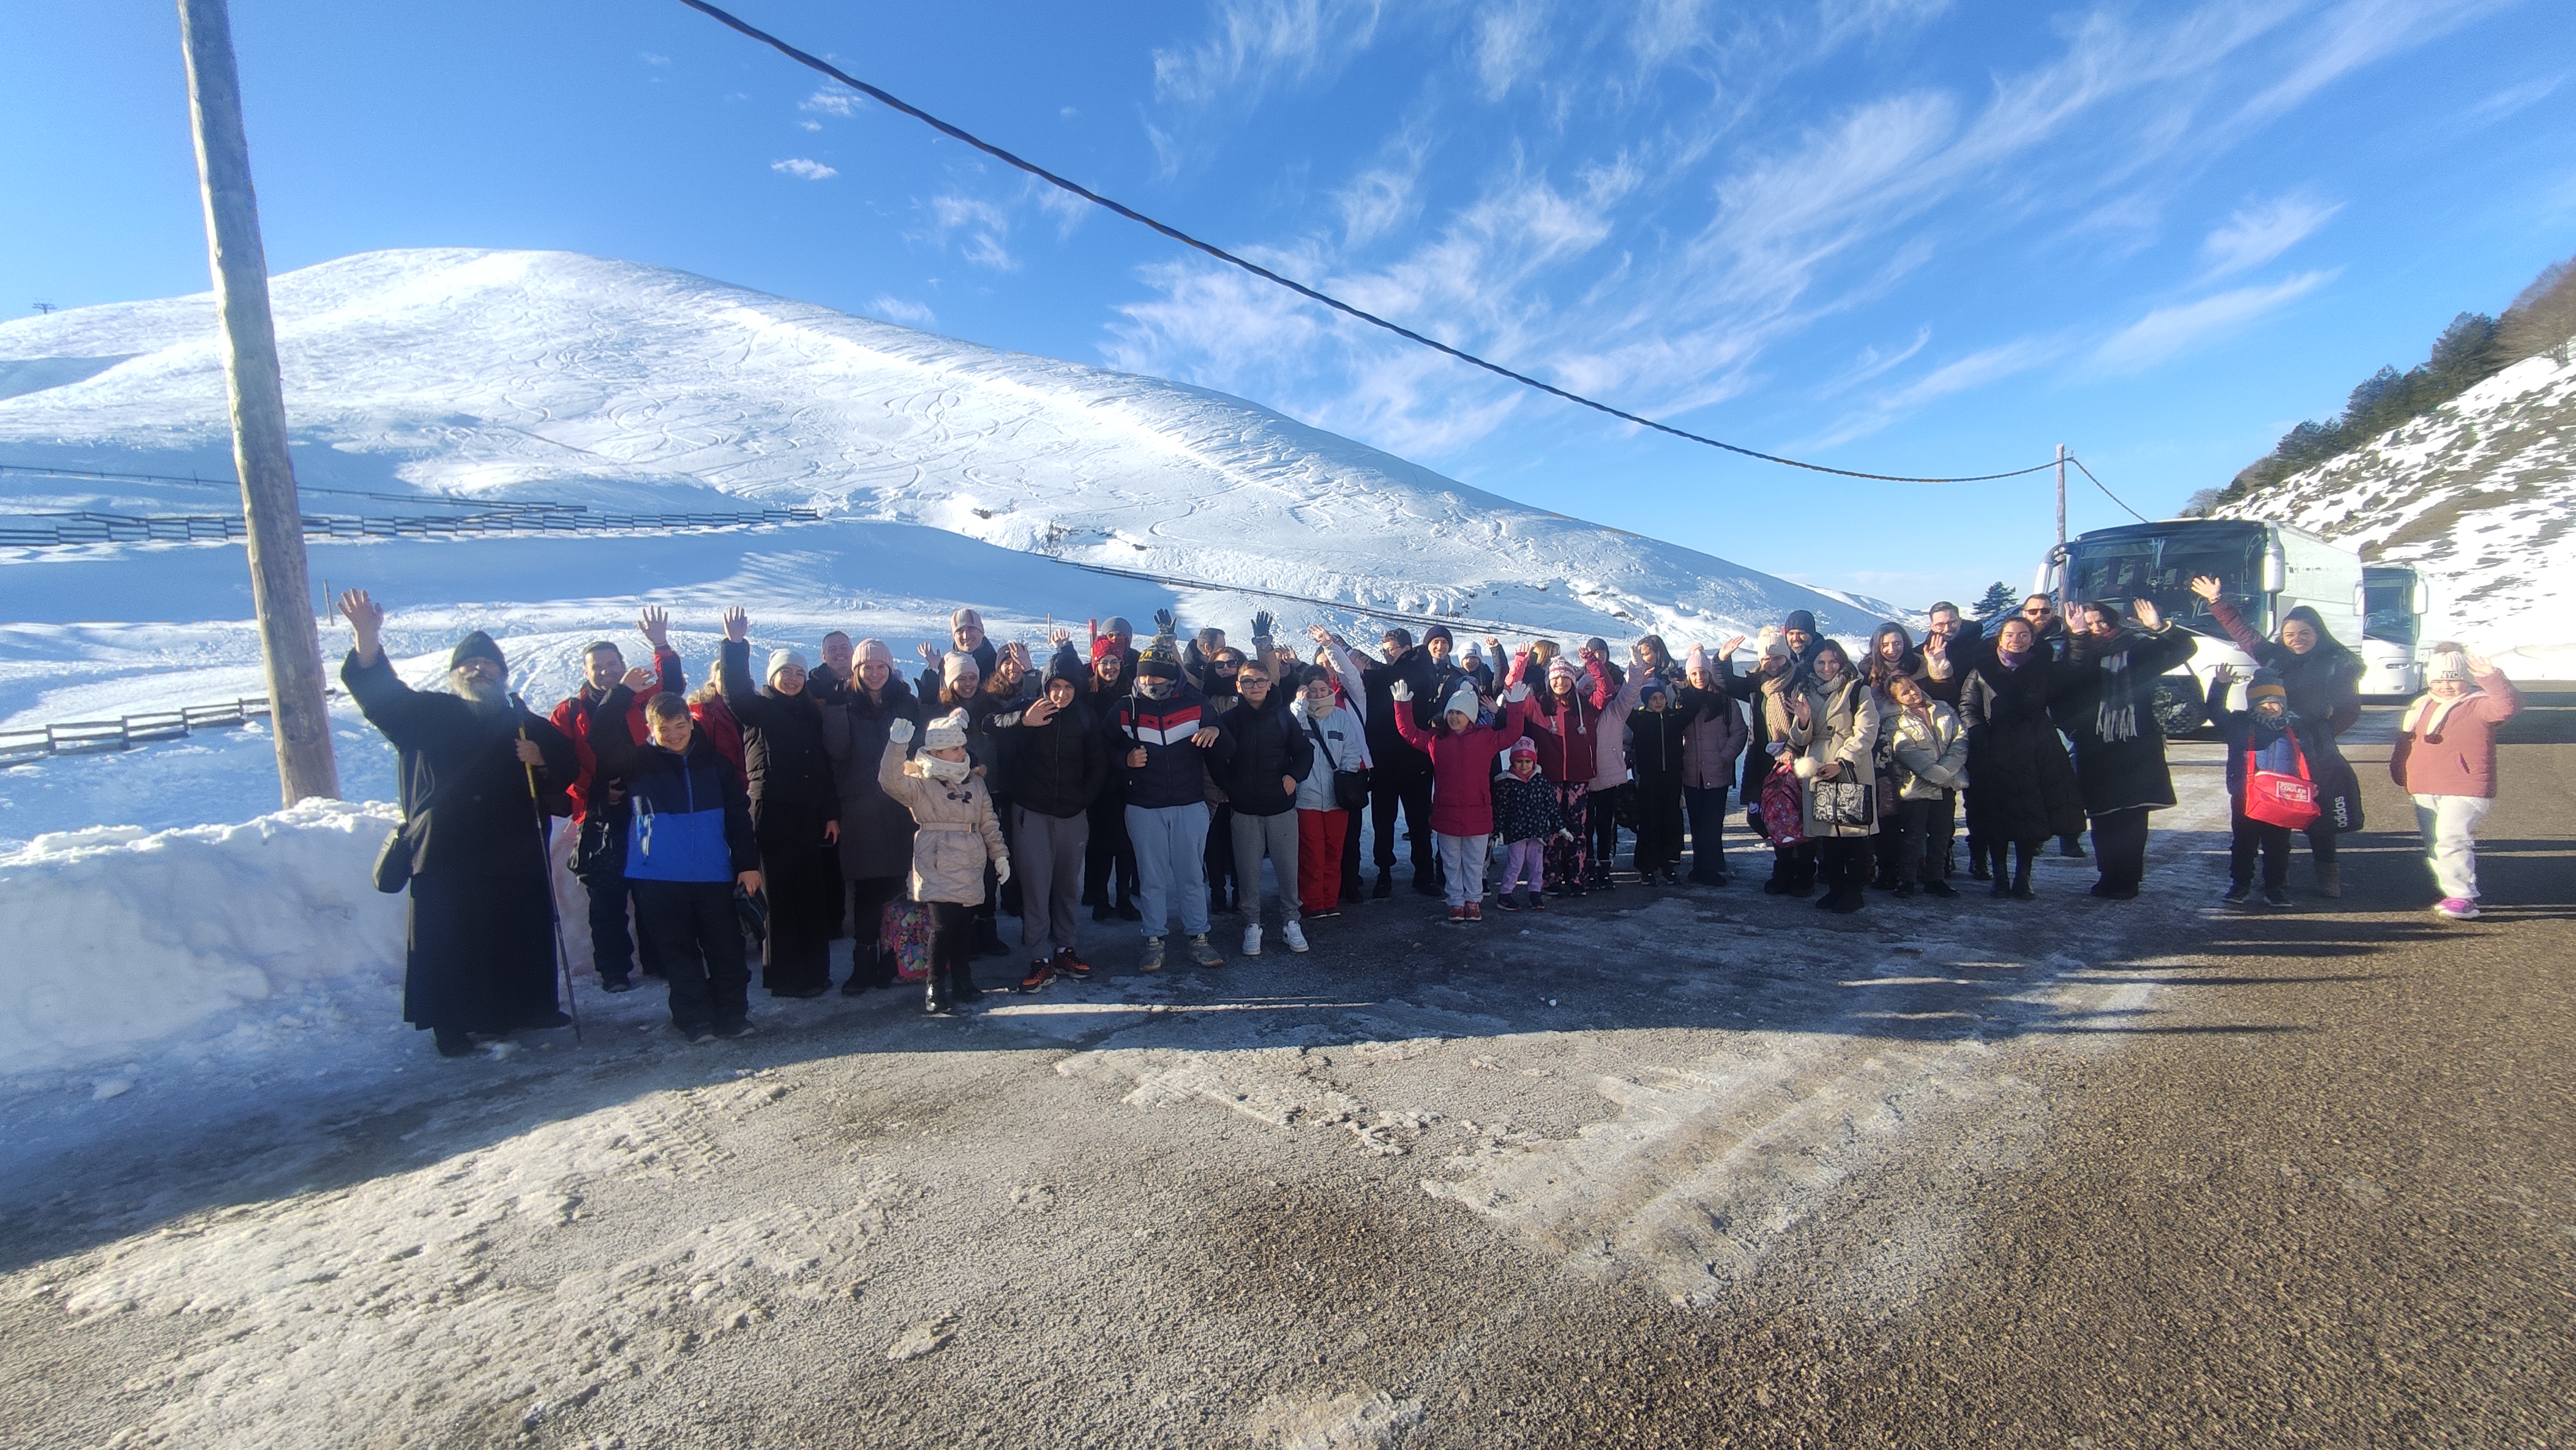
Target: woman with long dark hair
2105, 702
2323, 680
2021, 787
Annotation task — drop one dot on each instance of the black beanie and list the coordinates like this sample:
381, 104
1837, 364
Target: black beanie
1439, 632
1799, 619
477, 644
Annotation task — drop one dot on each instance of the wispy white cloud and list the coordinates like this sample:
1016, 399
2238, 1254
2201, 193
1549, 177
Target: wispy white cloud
2257, 233
2514, 98
898, 309
984, 223
804, 169
832, 101
2355, 34
649, 58
1872, 362
1255, 45
1659, 274
2168, 332
1510, 43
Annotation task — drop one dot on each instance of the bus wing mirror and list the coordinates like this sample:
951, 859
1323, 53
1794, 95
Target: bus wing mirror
2422, 602
2276, 570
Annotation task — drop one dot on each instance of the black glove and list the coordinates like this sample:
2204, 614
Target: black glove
1262, 621
1164, 623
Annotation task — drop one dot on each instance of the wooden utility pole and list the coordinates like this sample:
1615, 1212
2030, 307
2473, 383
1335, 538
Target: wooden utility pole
290, 645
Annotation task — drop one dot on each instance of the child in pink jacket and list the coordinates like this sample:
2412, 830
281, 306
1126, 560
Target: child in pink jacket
1462, 784
2445, 759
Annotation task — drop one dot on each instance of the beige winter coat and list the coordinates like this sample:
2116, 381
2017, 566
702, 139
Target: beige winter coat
958, 830
1931, 753
1841, 729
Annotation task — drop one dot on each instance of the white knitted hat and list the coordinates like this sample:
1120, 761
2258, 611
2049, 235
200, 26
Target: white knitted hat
948, 732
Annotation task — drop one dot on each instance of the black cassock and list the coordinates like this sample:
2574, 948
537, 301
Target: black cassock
480, 954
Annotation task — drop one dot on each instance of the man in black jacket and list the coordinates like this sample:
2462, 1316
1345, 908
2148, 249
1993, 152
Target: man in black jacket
1058, 764
480, 937
1271, 754
1401, 776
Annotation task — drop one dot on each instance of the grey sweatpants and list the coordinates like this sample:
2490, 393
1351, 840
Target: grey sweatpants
1278, 836
1046, 861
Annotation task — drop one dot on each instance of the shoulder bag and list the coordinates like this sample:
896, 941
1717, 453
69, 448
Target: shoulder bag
1350, 787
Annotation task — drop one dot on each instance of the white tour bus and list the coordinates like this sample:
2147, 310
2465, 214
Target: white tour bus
2265, 569
2395, 600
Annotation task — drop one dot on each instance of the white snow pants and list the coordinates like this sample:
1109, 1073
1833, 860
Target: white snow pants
1463, 858
2449, 825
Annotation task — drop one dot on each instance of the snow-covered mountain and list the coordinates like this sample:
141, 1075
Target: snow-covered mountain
2479, 496
555, 376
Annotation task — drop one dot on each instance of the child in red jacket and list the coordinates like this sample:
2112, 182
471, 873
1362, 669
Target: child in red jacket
2445, 759
1462, 784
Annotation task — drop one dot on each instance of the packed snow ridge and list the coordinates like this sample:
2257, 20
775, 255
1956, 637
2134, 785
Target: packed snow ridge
2479, 495
547, 375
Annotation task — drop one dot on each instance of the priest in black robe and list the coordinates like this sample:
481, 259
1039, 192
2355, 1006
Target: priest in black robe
480, 941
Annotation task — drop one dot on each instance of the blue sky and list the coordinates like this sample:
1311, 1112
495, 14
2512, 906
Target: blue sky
1892, 236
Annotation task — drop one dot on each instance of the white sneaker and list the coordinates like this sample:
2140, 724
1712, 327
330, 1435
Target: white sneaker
1294, 935
1252, 940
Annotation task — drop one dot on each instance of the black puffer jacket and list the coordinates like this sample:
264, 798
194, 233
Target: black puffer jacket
1268, 743
1655, 750
1056, 768
782, 741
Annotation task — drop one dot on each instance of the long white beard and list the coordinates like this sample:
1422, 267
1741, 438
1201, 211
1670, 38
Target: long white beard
490, 698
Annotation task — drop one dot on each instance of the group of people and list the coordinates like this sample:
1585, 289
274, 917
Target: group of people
1149, 781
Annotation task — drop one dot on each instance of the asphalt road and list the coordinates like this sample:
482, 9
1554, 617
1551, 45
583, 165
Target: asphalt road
1683, 1169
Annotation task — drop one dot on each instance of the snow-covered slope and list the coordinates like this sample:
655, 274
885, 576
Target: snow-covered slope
2478, 495
555, 376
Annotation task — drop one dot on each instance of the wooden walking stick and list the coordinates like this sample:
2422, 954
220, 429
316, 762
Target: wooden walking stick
554, 907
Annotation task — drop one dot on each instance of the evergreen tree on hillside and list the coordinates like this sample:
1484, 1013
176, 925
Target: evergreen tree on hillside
2472, 349
1997, 598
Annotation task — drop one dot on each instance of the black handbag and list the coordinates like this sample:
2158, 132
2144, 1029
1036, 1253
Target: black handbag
401, 851
1350, 787
1841, 802
400, 855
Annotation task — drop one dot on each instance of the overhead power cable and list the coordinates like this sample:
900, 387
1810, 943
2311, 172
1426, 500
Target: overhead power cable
2106, 491
1301, 289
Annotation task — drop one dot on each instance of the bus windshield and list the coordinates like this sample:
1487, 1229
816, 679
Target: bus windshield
2159, 567
2388, 606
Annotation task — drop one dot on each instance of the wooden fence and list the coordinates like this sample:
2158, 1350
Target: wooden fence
91, 737
63, 530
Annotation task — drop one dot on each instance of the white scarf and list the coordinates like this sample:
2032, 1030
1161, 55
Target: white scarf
950, 771
2430, 711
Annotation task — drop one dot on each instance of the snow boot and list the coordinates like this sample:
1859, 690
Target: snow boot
452, 1042
2330, 879
2071, 847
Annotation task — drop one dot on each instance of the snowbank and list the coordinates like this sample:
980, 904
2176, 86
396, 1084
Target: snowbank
122, 943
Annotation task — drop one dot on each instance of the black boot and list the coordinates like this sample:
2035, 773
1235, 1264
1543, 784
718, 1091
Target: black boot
452, 1041
1977, 862
2021, 875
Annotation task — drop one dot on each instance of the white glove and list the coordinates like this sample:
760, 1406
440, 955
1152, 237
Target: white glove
1516, 693
900, 732
1001, 870
1401, 691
